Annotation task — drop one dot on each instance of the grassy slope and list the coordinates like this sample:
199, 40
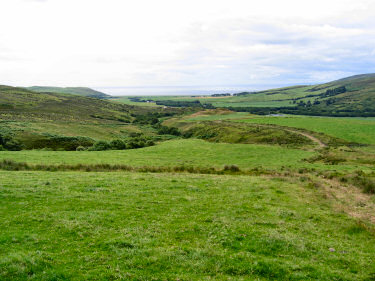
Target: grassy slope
361, 130
98, 226
360, 96
22, 104
81, 91
29, 115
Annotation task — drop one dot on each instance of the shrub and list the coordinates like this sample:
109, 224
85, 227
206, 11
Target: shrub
365, 183
80, 148
164, 130
117, 144
55, 142
231, 168
133, 143
100, 145
13, 145
150, 143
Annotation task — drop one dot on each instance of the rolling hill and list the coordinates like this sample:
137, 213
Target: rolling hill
31, 118
81, 91
352, 96
23, 104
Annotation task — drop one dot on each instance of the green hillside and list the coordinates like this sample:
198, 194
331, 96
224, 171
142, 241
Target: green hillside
81, 91
31, 120
22, 104
351, 97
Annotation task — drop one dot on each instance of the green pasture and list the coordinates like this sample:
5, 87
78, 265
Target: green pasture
130, 226
190, 153
361, 130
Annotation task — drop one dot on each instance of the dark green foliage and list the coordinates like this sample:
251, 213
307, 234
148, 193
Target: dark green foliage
59, 142
164, 130
243, 93
173, 103
151, 118
193, 104
231, 168
100, 145
366, 183
334, 92
314, 110
13, 145
117, 144
220, 95
7, 142
137, 142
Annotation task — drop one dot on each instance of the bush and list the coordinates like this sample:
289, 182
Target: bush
100, 145
231, 168
13, 145
150, 143
80, 148
365, 183
55, 142
164, 130
117, 144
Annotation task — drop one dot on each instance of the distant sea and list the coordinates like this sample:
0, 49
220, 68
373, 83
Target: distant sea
184, 90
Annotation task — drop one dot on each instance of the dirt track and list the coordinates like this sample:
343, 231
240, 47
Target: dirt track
314, 139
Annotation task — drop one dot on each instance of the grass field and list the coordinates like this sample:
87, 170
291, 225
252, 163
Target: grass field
198, 153
361, 130
190, 152
99, 226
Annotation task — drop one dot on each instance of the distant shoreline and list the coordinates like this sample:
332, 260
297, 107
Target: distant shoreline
183, 90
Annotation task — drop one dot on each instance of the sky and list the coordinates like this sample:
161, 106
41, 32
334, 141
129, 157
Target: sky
148, 43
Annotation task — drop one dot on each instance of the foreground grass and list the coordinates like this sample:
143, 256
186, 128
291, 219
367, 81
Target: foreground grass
98, 226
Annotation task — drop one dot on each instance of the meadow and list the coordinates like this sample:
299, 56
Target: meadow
196, 153
189, 152
130, 226
361, 130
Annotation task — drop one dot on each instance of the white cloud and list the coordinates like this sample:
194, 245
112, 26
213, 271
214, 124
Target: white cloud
167, 42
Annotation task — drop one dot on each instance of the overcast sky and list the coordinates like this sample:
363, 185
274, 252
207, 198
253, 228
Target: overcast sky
112, 43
